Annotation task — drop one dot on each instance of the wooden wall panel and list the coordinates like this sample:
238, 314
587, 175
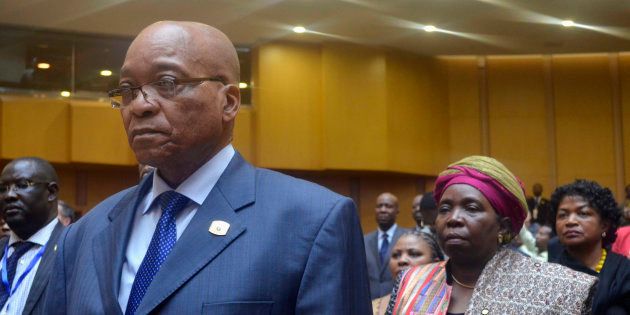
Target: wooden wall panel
35, 127
463, 107
417, 118
355, 111
517, 117
98, 135
288, 109
584, 121
624, 75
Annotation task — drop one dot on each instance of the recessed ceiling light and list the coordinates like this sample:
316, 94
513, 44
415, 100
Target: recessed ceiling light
106, 73
567, 23
43, 65
299, 29
242, 85
65, 93
429, 28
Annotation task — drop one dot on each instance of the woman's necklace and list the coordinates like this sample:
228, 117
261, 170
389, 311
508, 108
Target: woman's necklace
461, 284
599, 266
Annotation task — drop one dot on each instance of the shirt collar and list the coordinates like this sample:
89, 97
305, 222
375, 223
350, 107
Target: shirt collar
40, 237
198, 185
389, 232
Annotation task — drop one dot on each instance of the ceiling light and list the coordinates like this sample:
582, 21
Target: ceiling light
429, 28
567, 23
242, 85
43, 65
65, 93
106, 73
299, 29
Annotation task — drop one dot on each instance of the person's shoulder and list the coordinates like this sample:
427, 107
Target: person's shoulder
97, 215
549, 273
270, 182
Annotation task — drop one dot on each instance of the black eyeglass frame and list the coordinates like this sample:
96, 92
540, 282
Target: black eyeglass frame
175, 82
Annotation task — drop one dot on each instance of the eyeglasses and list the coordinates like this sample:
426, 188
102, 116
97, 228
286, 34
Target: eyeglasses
165, 88
19, 186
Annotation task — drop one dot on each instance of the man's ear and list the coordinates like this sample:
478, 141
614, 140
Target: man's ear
53, 191
232, 102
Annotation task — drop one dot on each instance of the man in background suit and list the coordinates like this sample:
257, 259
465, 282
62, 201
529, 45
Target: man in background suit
206, 233
28, 201
539, 207
379, 244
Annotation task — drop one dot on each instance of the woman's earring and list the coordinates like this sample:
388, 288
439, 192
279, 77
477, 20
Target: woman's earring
603, 234
500, 238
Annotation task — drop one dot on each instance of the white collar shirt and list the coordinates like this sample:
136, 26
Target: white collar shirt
16, 302
196, 187
390, 236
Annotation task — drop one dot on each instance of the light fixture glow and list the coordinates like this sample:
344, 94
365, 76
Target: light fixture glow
568, 23
65, 93
106, 73
43, 65
299, 29
429, 28
242, 85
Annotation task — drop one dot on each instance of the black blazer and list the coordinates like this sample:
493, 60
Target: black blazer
34, 302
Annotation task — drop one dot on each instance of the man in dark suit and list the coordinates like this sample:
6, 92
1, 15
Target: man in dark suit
206, 233
28, 201
539, 207
379, 244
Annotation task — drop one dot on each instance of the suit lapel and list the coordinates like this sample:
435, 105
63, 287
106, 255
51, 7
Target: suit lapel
43, 270
109, 246
373, 248
234, 190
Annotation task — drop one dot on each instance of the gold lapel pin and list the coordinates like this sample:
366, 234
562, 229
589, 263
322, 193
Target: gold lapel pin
219, 227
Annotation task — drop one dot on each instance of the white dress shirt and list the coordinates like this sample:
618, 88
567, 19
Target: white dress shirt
390, 236
15, 303
196, 187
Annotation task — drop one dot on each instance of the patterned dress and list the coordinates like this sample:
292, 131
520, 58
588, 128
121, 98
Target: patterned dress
509, 284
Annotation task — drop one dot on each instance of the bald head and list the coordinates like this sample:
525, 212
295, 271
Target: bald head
41, 169
203, 45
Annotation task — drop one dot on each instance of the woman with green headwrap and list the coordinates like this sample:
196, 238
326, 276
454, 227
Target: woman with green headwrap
481, 206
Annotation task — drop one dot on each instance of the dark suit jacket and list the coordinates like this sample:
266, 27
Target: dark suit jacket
381, 282
35, 300
292, 248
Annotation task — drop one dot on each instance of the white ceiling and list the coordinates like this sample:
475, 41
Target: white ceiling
476, 26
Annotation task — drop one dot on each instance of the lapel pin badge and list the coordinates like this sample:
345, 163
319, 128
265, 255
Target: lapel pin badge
219, 227
55, 248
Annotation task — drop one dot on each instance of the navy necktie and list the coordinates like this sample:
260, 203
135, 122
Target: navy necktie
162, 243
384, 248
19, 249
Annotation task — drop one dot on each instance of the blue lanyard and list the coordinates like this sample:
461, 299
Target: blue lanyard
31, 265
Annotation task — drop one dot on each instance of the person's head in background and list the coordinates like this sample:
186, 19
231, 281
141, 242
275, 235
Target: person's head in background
412, 249
66, 214
5, 230
28, 195
537, 190
543, 235
386, 210
415, 210
428, 208
144, 170
586, 216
